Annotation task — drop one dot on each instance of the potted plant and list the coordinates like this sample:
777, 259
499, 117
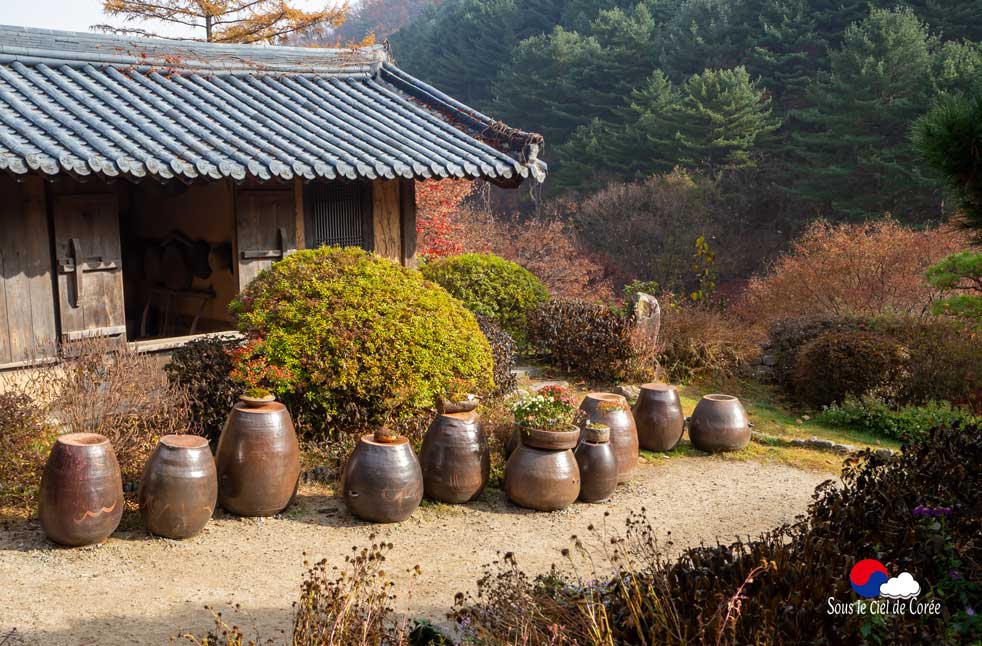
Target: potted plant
596, 432
457, 400
547, 419
258, 377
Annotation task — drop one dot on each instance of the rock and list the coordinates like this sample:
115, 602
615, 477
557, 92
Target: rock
843, 448
825, 445
798, 442
630, 391
536, 387
762, 374
529, 372
768, 360
884, 453
647, 315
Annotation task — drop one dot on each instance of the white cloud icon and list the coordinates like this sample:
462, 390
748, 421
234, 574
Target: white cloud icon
901, 587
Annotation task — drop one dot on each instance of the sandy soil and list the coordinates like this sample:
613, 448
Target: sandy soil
135, 589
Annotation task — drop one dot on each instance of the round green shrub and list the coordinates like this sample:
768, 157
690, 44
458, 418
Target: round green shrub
363, 339
840, 363
492, 286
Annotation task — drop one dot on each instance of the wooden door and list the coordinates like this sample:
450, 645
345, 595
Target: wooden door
27, 296
266, 224
89, 266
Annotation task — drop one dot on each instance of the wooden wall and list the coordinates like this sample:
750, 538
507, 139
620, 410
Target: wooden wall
27, 299
387, 224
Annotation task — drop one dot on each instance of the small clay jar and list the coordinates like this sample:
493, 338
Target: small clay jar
659, 417
613, 411
597, 463
455, 459
542, 473
81, 500
382, 482
179, 488
719, 423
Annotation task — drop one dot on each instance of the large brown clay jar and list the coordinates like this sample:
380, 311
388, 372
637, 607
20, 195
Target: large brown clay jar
542, 473
382, 481
613, 411
455, 459
179, 488
719, 423
659, 417
81, 490
257, 460
598, 470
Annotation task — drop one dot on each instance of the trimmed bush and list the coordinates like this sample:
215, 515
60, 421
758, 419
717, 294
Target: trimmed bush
906, 423
202, 369
492, 286
837, 364
26, 437
364, 339
583, 338
502, 351
945, 356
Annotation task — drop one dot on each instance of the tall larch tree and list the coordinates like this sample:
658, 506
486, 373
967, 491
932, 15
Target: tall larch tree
220, 21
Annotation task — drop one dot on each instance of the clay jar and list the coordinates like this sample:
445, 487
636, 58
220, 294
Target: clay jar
455, 458
659, 417
719, 423
382, 482
612, 410
179, 488
597, 464
257, 460
81, 490
542, 473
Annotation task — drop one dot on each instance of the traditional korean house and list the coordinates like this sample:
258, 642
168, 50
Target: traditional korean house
144, 182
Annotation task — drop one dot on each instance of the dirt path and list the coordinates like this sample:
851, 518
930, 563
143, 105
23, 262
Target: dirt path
137, 589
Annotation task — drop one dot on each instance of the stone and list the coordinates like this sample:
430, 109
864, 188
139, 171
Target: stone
528, 372
825, 445
647, 315
798, 442
768, 360
630, 391
884, 453
842, 448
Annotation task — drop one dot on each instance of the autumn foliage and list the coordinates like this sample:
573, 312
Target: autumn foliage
439, 232
851, 269
545, 245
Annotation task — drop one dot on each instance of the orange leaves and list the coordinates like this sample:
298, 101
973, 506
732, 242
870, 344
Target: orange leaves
865, 269
224, 21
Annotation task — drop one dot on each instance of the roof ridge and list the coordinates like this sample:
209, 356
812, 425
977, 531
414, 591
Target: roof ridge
29, 44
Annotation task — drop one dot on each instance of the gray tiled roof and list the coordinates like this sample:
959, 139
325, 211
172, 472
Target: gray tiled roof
86, 104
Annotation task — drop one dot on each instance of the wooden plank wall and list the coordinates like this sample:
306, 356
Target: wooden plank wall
27, 300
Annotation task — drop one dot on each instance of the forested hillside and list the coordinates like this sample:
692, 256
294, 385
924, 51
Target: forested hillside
793, 108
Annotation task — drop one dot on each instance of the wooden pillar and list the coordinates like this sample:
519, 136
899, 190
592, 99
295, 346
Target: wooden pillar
299, 209
407, 221
386, 219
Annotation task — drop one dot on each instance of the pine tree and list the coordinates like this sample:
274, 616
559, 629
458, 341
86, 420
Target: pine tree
719, 118
853, 145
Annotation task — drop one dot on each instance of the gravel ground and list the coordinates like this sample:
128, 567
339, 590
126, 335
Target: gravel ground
136, 589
